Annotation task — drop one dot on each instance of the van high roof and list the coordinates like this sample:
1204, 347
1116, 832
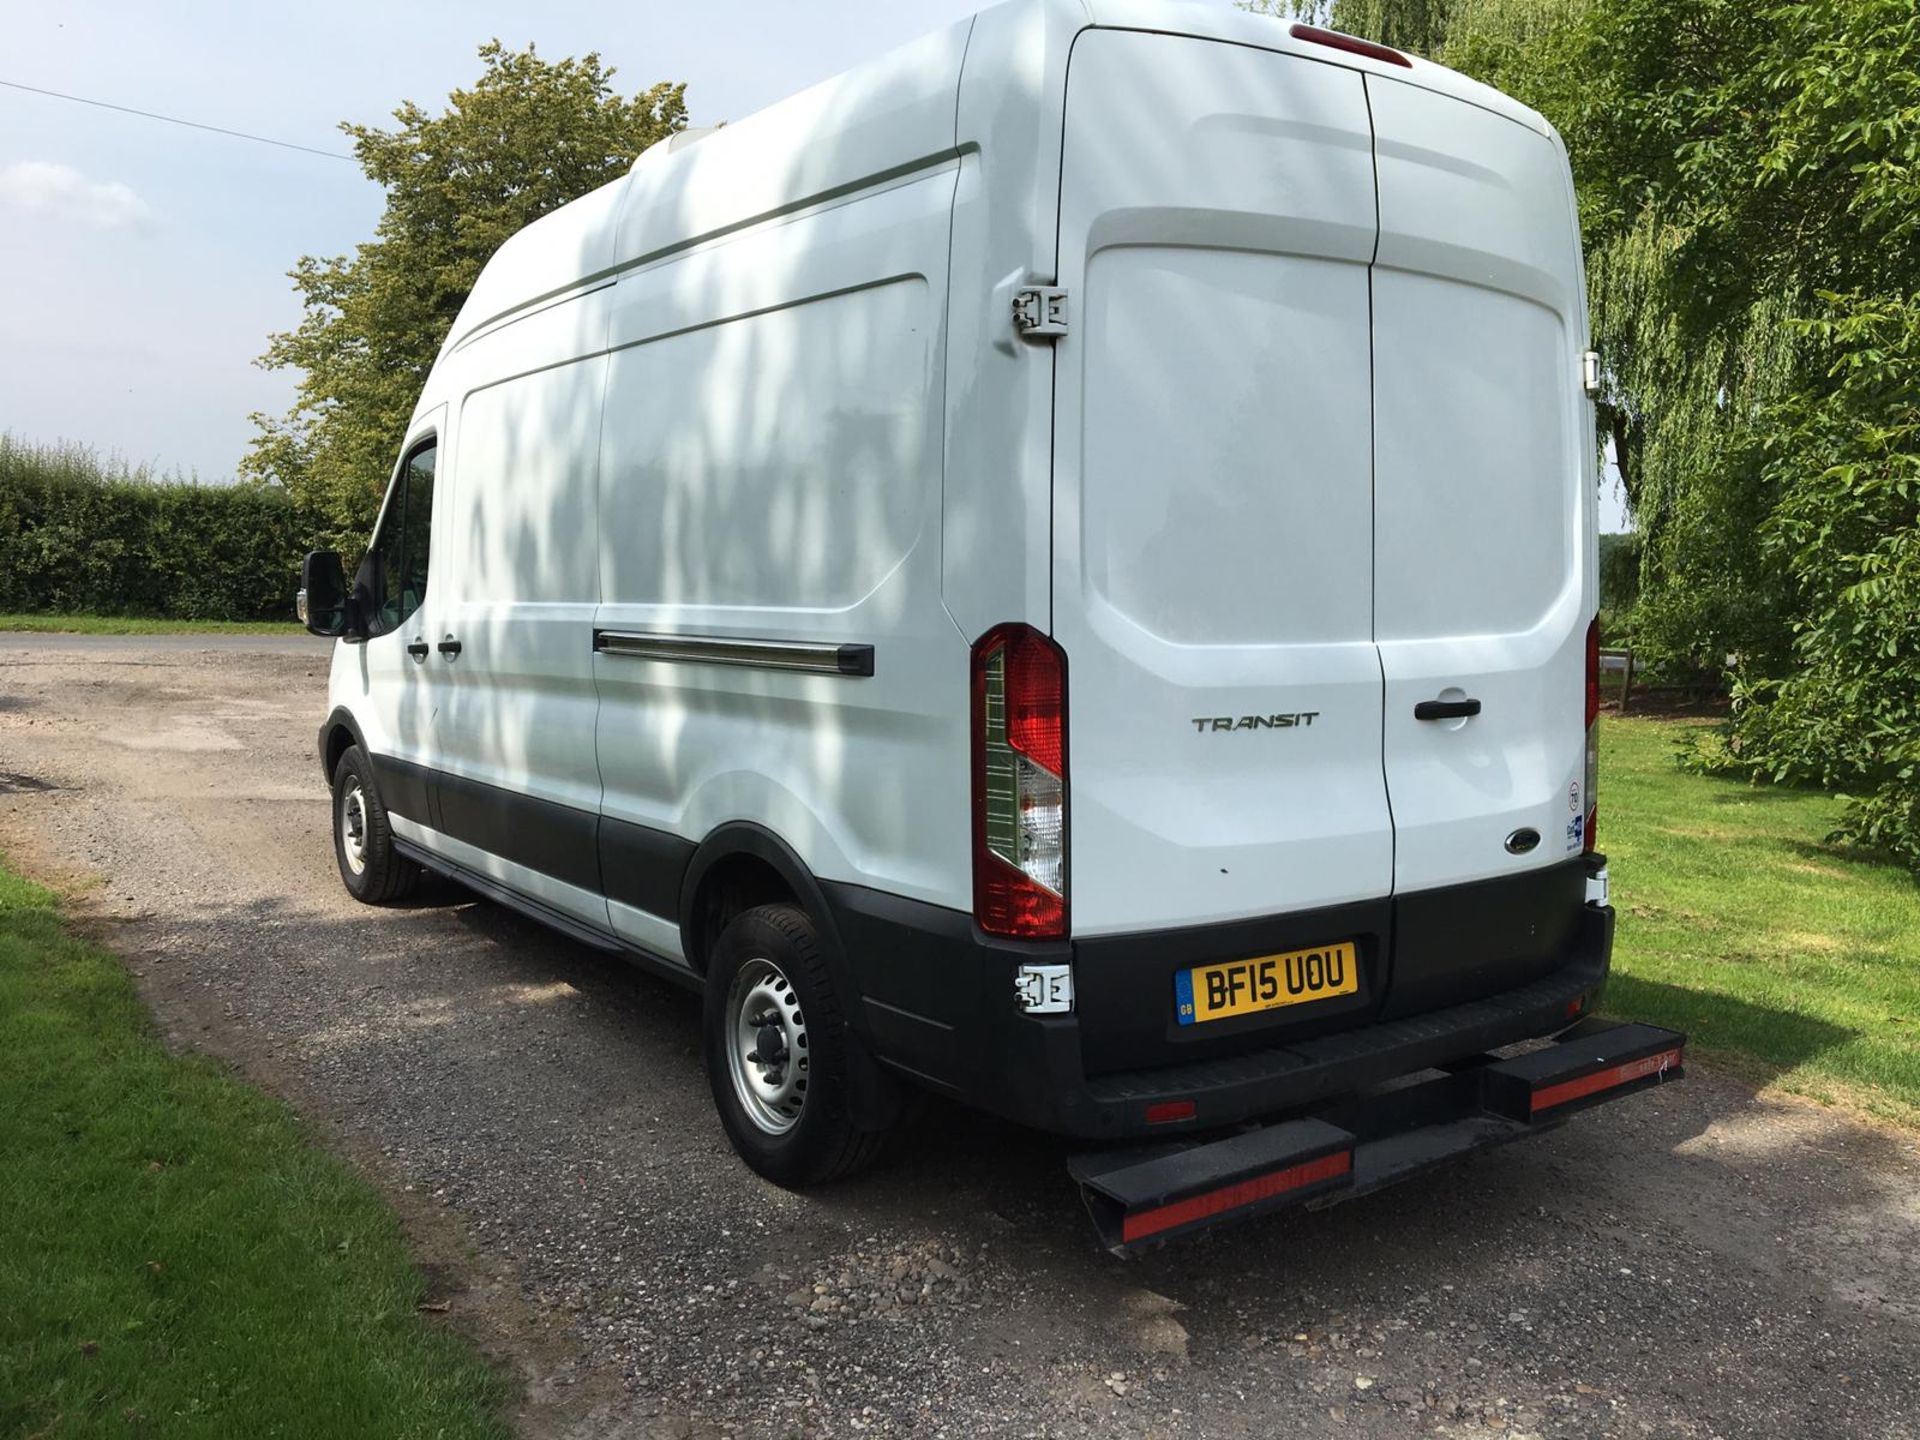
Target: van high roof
898, 112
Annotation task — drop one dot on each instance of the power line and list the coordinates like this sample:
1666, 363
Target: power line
176, 120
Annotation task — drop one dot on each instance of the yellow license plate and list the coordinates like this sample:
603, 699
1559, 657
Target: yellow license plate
1246, 987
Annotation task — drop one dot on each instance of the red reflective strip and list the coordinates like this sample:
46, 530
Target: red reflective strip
1164, 1112
1605, 1079
1235, 1197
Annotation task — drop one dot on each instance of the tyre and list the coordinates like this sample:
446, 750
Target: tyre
777, 1051
374, 872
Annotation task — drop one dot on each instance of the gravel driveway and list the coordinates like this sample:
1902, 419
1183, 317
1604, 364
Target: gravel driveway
1690, 1262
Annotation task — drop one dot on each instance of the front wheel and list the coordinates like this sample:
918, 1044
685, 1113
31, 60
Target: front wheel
776, 1048
374, 872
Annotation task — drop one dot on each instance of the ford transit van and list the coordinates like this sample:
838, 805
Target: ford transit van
1055, 569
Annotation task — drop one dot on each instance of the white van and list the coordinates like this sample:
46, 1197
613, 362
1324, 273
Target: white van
1056, 569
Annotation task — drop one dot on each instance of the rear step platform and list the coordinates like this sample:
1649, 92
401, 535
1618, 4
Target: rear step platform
1142, 1195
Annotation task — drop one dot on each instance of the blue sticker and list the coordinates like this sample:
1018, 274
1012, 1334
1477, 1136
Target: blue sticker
1183, 996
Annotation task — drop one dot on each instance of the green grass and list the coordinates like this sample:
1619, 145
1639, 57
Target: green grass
176, 1256
141, 625
1796, 961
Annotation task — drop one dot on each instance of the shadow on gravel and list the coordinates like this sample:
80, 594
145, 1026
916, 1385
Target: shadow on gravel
554, 1099
959, 1169
527, 1025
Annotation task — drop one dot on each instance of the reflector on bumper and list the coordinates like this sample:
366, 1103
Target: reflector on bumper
1593, 1062
1134, 1197
1142, 1195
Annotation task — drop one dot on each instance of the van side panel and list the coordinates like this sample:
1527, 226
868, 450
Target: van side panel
788, 493
770, 474
887, 117
557, 253
518, 785
997, 502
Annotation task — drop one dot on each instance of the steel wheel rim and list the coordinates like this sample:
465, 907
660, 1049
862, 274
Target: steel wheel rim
766, 1039
353, 827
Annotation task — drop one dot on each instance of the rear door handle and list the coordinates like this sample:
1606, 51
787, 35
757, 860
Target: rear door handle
417, 649
449, 647
1445, 709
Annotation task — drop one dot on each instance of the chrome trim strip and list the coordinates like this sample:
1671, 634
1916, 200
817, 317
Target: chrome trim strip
797, 655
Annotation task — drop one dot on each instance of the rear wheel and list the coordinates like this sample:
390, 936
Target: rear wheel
776, 1047
374, 872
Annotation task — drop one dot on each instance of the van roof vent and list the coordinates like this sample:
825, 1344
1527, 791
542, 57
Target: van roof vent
1352, 44
679, 140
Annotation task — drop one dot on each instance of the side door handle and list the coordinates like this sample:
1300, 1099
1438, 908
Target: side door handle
417, 649
449, 647
1446, 709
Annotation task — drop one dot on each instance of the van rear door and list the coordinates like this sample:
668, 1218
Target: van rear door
1212, 546
1483, 519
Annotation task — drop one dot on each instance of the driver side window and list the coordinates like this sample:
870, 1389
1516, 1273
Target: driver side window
398, 579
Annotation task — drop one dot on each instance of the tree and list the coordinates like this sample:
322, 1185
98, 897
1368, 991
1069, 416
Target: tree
1415, 25
530, 135
1749, 188
1750, 183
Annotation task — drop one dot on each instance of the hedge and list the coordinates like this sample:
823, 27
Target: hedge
81, 535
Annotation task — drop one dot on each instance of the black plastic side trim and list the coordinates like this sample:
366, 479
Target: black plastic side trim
565, 924
405, 788
743, 837
936, 994
340, 719
556, 840
643, 867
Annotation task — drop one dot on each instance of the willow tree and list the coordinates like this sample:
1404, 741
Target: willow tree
528, 136
1415, 25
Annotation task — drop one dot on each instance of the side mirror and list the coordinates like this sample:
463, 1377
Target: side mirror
322, 602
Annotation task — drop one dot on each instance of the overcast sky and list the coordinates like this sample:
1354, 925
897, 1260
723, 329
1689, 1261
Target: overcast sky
142, 265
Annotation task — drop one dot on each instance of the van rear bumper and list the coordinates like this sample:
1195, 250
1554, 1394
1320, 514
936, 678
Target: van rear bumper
1144, 1194
936, 1003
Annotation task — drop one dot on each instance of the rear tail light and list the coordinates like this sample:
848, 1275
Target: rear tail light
1020, 784
1593, 733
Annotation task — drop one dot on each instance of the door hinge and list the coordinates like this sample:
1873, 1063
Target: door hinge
1040, 312
1044, 989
